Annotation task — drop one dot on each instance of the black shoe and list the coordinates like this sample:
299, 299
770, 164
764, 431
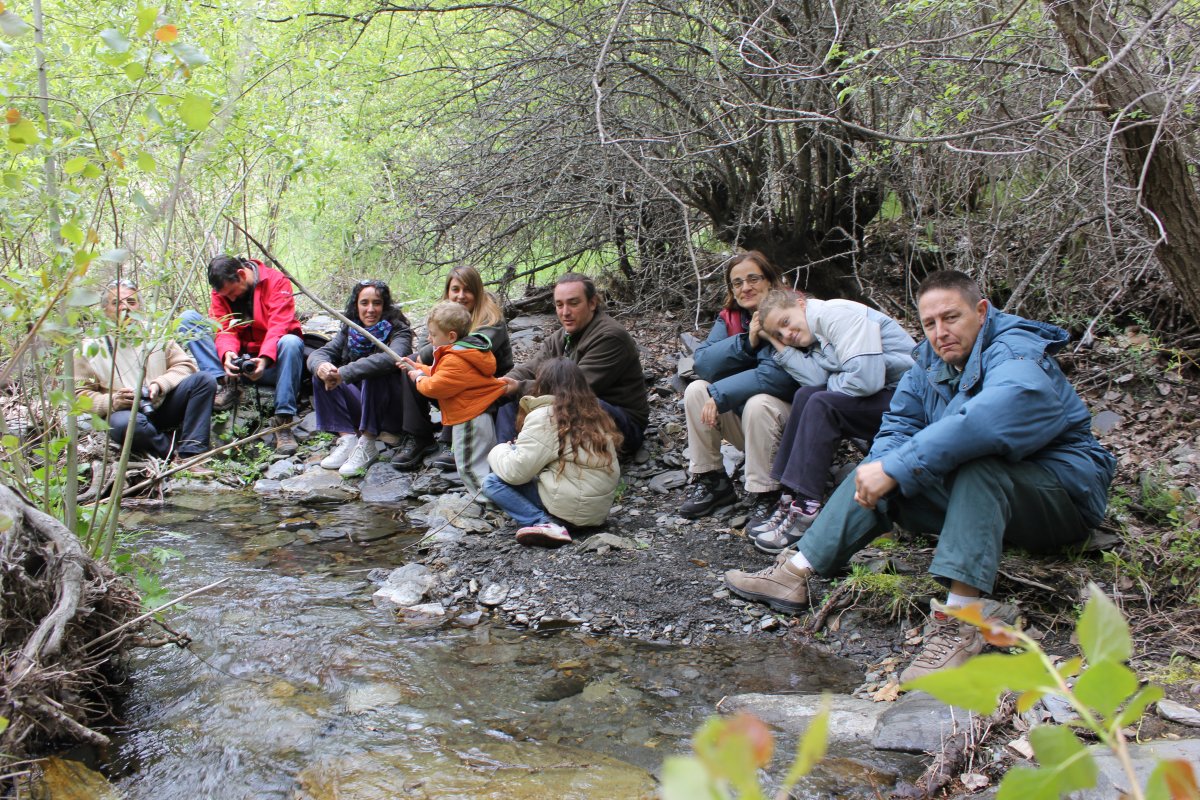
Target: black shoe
709, 490
763, 506
413, 452
445, 460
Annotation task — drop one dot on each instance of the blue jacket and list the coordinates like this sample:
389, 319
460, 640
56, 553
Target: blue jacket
737, 372
1012, 401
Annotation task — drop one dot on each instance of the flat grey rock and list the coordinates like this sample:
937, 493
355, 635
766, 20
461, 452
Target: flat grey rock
281, 469
1112, 781
493, 594
318, 484
608, 540
1106, 422
404, 595
385, 484
531, 322
666, 481
917, 723
851, 719
1178, 712
264, 486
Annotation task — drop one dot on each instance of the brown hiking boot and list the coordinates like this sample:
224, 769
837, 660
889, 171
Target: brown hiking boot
781, 585
228, 394
948, 643
285, 440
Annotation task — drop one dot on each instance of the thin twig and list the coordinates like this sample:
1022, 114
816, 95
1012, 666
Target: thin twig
149, 614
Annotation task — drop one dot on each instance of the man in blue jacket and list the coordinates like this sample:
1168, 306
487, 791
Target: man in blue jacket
985, 442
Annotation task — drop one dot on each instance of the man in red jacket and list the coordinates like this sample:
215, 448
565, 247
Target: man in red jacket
259, 339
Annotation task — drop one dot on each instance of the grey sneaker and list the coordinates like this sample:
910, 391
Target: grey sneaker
790, 529
781, 585
708, 492
772, 522
948, 643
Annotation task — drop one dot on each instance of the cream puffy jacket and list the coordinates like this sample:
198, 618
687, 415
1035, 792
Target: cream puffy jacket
117, 367
582, 492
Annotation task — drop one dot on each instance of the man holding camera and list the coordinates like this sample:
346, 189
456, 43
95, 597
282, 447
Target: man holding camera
172, 394
259, 338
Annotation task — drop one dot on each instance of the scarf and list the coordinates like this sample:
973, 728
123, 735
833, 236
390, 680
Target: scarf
362, 346
736, 320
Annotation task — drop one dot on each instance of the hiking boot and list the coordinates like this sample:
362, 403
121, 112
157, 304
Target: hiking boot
444, 460
412, 452
285, 440
772, 522
762, 507
228, 394
781, 585
948, 643
790, 529
365, 453
709, 490
341, 451
545, 534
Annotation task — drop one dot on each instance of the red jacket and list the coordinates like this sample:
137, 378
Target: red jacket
462, 380
274, 316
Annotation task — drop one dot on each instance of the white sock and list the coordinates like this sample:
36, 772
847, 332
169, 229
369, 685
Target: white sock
800, 562
959, 600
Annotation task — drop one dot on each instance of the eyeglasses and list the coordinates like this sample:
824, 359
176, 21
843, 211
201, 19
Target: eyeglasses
750, 280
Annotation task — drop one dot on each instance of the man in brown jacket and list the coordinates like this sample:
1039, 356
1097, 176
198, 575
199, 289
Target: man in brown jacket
604, 352
171, 395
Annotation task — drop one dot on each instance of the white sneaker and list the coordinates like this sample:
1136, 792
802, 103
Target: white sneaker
341, 451
366, 453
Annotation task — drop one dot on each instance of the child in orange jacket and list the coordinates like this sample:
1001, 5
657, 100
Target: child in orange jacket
462, 379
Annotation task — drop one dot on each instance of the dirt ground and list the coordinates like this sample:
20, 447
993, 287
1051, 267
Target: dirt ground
661, 580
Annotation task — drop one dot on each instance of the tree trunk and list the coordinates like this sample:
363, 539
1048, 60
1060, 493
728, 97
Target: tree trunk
1159, 168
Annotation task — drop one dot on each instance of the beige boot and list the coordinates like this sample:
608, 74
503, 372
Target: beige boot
781, 586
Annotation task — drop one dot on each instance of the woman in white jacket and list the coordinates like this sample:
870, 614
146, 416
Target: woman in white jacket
563, 465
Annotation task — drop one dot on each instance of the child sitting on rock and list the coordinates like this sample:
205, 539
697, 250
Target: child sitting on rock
462, 379
563, 465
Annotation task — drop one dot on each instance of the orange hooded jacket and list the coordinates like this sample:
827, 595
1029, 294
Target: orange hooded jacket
462, 379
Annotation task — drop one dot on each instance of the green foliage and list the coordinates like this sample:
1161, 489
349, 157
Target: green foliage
245, 464
1105, 696
890, 592
729, 751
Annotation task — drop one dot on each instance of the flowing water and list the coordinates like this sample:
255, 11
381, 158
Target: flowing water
297, 686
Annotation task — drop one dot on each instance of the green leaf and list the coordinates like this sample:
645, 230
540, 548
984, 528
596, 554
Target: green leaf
145, 205
145, 162
71, 232
12, 25
1103, 633
118, 256
1105, 686
92, 171
24, 132
134, 71
82, 297
75, 165
146, 19
684, 778
196, 111
1133, 712
977, 685
116, 41
83, 257
1066, 767
190, 55
1173, 780
12, 180
6, 521
812, 746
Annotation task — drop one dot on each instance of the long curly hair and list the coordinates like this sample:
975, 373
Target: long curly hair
391, 311
583, 425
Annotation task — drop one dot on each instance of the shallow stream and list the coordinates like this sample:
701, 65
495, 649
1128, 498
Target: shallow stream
296, 686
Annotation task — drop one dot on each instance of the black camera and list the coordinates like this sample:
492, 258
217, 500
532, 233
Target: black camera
146, 405
243, 364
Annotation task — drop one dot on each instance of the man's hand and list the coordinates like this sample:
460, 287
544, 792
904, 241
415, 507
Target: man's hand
153, 391
122, 400
227, 363
260, 366
871, 483
709, 414
511, 386
756, 330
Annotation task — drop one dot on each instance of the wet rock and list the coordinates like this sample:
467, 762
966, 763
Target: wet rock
917, 723
405, 586
469, 619
281, 470
609, 540
296, 524
264, 486
69, 780
430, 483
271, 540
1106, 422
666, 481
1178, 712
1112, 781
493, 594
385, 484
426, 610
371, 696
317, 485
851, 719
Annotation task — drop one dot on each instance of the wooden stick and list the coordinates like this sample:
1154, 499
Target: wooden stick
312, 296
149, 614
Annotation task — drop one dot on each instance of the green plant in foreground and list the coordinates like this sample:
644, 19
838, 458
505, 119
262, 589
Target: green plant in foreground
729, 751
1101, 689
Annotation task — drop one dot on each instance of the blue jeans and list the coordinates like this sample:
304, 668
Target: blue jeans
196, 332
187, 407
522, 503
285, 373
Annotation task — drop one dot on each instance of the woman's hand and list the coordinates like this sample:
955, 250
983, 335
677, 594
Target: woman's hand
756, 331
709, 414
329, 375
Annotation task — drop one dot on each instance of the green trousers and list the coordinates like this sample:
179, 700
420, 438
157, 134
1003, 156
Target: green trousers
979, 506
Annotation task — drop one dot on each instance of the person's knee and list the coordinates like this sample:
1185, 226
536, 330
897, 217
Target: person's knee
191, 318
290, 344
491, 483
206, 382
695, 395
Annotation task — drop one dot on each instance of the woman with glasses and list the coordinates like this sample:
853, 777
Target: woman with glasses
742, 397
357, 390
465, 287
